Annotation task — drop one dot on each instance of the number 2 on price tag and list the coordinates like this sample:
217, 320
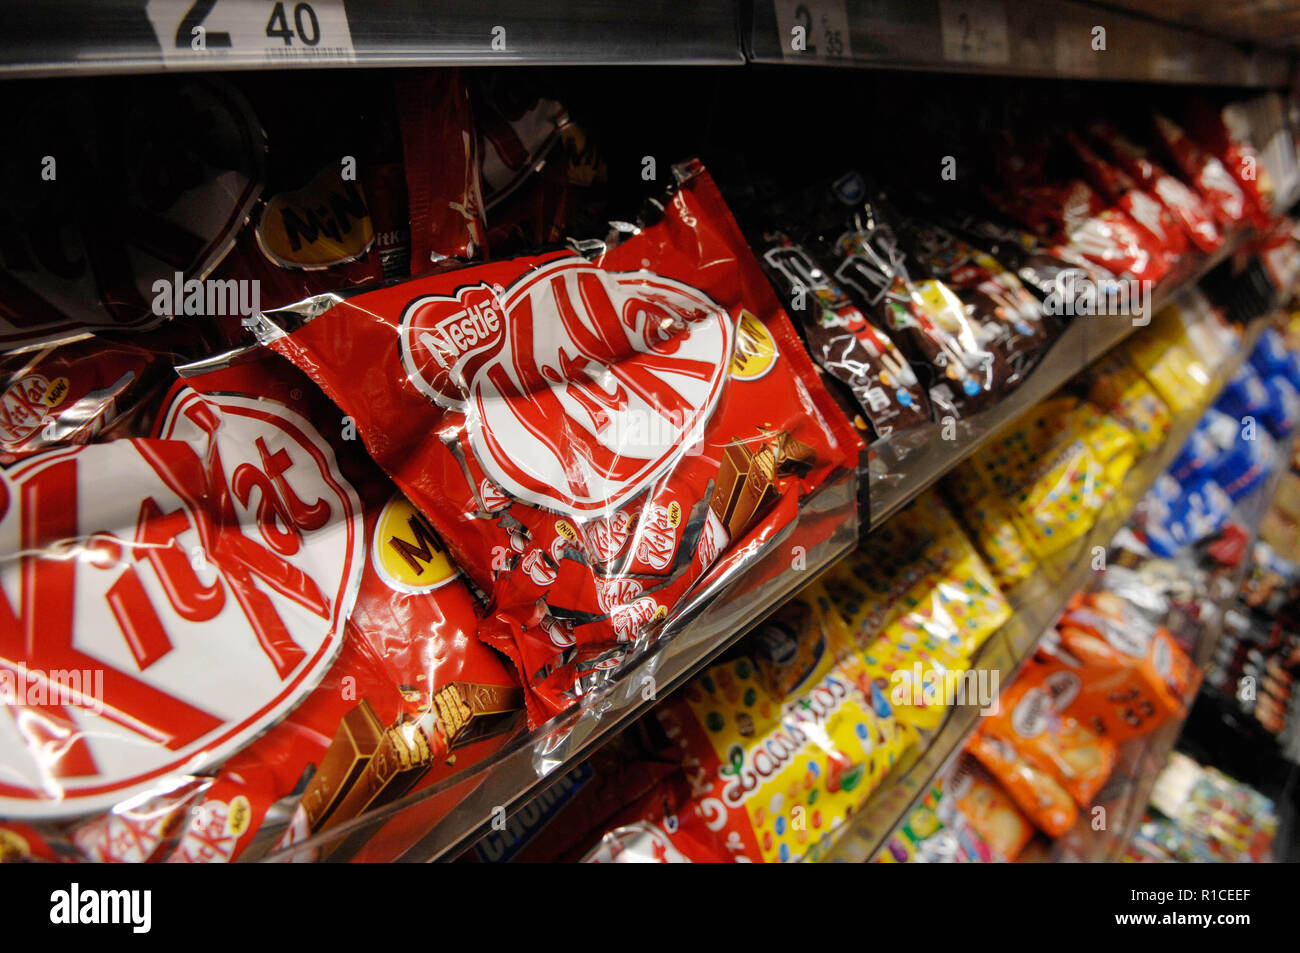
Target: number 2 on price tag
813, 29
974, 31
250, 31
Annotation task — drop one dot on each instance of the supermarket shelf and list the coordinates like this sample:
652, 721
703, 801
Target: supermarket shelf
1036, 607
907, 466
67, 37
1144, 758
1046, 38
418, 828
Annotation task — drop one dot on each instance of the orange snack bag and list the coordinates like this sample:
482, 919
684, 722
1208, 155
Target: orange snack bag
1125, 677
1036, 792
1030, 720
988, 808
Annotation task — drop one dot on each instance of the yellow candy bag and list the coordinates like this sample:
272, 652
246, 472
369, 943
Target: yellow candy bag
1126, 395
1165, 358
783, 744
919, 601
1056, 469
991, 527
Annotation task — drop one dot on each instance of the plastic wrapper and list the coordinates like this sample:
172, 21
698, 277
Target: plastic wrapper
1156, 223
1211, 816
1055, 469
1203, 326
1178, 375
991, 295
1117, 388
589, 438
324, 184
955, 353
919, 602
1274, 357
1117, 672
627, 781
543, 177
1047, 271
992, 527
255, 625
1074, 215
936, 833
1032, 719
988, 809
1217, 186
409, 198
69, 394
1035, 791
843, 342
1187, 513
1195, 217
788, 740
1224, 133
130, 201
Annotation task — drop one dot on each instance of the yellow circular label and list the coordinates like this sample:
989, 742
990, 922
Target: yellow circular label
565, 529
12, 846
55, 393
755, 349
405, 550
674, 514
326, 222
239, 816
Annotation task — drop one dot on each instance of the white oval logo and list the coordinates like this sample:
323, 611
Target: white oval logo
580, 386
174, 597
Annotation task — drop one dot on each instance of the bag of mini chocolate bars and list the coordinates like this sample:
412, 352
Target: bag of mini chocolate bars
589, 437
256, 191
957, 354
843, 342
992, 295
228, 635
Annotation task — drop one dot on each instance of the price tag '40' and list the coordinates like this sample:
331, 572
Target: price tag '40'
249, 31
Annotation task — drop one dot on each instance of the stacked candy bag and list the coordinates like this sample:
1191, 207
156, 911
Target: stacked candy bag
919, 603
1121, 391
269, 639
591, 438
1114, 670
789, 739
1054, 470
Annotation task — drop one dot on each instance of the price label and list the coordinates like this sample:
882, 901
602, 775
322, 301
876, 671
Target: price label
813, 29
233, 32
1074, 53
974, 31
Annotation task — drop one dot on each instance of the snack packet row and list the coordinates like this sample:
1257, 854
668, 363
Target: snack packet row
227, 633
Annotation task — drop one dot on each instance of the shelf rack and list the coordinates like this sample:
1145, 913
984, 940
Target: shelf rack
1036, 607
1057, 39
1043, 38
419, 827
1142, 759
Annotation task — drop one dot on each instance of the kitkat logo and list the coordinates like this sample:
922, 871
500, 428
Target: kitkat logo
207, 572
562, 375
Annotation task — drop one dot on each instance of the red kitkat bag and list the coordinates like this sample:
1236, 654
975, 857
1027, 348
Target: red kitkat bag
234, 629
587, 436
